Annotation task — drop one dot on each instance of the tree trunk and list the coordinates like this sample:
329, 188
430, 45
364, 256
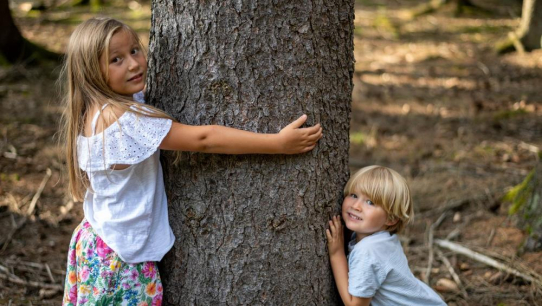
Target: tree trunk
14, 47
250, 229
530, 29
12, 42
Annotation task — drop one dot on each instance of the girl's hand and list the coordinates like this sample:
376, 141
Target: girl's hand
335, 238
294, 140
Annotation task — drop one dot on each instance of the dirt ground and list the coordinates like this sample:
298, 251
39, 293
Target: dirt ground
431, 99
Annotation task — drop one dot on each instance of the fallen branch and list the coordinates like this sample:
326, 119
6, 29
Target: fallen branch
454, 275
30, 210
459, 249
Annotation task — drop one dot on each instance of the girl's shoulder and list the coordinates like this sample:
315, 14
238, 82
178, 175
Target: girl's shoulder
108, 116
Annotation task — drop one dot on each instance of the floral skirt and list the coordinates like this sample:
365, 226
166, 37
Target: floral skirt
97, 276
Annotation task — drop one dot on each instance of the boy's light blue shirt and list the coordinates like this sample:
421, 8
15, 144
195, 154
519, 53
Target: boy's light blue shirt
378, 268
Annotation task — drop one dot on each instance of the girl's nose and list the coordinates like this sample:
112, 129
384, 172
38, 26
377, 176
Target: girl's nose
133, 64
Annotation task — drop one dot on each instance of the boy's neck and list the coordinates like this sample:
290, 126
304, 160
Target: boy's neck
365, 235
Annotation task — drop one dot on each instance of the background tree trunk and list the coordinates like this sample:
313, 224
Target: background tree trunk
250, 229
529, 34
530, 29
13, 46
12, 42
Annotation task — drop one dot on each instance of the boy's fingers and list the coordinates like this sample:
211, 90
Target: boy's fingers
328, 234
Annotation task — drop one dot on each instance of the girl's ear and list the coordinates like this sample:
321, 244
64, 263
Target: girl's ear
391, 221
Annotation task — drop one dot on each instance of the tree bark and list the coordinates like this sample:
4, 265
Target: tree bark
250, 229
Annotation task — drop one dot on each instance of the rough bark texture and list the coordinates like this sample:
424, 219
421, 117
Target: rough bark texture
250, 229
530, 29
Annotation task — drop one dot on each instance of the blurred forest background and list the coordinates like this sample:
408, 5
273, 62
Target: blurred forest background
433, 99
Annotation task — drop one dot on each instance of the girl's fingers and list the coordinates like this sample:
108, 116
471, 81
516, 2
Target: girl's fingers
298, 122
314, 137
307, 149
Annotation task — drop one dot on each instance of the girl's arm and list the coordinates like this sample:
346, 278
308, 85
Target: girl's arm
220, 139
339, 265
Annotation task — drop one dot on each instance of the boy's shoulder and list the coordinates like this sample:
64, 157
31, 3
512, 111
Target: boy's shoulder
380, 245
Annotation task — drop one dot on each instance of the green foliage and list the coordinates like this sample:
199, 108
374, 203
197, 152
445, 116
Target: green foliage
519, 194
383, 23
3, 61
357, 138
509, 114
13, 177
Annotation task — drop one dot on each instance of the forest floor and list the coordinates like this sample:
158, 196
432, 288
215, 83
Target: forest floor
431, 99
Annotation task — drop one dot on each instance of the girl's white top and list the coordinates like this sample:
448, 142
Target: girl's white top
128, 208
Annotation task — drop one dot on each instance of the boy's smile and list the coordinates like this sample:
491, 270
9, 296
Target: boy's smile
126, 66
362, 216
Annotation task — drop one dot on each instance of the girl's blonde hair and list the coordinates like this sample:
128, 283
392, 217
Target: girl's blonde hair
386, 188
85, 88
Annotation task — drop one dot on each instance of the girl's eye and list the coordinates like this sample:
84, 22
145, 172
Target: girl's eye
115, 60
135, 51
353, 196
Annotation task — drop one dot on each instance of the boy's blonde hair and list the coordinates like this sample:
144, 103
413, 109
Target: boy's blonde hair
386, 188
85, 88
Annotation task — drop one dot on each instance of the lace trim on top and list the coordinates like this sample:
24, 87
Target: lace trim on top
130, 140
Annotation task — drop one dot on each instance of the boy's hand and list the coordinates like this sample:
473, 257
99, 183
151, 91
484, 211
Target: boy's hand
294, 140
334, 234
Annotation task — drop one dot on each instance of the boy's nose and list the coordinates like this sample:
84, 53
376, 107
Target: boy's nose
357, 205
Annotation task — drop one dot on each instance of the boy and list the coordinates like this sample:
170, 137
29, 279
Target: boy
377, 205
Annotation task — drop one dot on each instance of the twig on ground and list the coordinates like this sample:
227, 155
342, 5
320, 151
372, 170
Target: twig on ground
11, 233
459, 249
23, 266
430, 245
44, 181
14, 279
454, 275
491, 236
50, 274
7, 271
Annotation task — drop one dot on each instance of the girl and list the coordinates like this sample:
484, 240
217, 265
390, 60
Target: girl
112, 145
377, 205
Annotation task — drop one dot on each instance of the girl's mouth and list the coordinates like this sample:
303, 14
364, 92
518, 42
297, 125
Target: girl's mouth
137, 77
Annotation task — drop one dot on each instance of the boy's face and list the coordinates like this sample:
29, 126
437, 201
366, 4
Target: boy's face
126, 66
362, 216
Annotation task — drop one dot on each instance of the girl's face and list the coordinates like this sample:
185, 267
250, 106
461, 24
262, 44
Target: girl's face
126, 66
362, 216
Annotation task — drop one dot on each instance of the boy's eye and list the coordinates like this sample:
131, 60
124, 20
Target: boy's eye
370, 202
